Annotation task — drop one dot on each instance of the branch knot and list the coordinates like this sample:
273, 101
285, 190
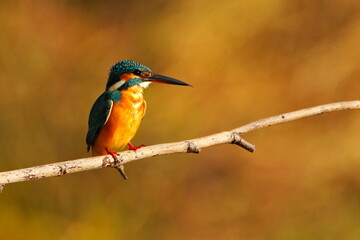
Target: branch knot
192, 148
62, 170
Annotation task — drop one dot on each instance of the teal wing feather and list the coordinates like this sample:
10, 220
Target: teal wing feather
99, 115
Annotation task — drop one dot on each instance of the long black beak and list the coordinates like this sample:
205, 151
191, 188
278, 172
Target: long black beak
163, 79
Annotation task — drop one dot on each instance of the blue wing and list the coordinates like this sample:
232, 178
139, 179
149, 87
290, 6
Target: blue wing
98, 117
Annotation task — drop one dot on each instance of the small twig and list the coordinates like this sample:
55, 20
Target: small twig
242, 143
121, 170
193, 146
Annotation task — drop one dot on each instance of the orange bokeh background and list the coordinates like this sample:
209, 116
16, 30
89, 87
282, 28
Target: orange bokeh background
246, 59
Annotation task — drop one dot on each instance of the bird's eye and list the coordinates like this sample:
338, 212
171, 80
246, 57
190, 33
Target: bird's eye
137, 72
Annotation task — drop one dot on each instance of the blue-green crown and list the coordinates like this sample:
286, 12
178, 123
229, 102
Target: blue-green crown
122, 67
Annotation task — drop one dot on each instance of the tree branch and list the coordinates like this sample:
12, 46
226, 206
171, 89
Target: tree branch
188, 146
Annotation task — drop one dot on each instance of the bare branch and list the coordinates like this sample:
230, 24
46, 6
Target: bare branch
188, 146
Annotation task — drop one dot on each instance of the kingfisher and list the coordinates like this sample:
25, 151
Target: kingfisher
117, 113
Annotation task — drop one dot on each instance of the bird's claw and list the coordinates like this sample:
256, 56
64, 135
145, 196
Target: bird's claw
132, 147
120, 168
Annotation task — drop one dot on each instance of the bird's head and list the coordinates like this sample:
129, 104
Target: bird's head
125, 74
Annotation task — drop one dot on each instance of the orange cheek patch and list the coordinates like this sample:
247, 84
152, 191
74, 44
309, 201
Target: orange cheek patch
127, 76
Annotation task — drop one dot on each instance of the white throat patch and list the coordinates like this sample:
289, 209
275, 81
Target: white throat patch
116, 85
120, 83
144, 84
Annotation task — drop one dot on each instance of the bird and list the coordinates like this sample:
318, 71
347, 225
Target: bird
117, 113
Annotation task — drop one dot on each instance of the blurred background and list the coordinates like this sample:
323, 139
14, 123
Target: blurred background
247, 60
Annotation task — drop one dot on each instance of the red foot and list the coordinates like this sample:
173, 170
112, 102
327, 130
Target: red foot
113, 154
119, 168
131, 147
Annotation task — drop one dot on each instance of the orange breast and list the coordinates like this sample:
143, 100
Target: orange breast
123, 122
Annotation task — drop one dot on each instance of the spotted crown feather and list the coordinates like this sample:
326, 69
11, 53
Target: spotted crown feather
126, 66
